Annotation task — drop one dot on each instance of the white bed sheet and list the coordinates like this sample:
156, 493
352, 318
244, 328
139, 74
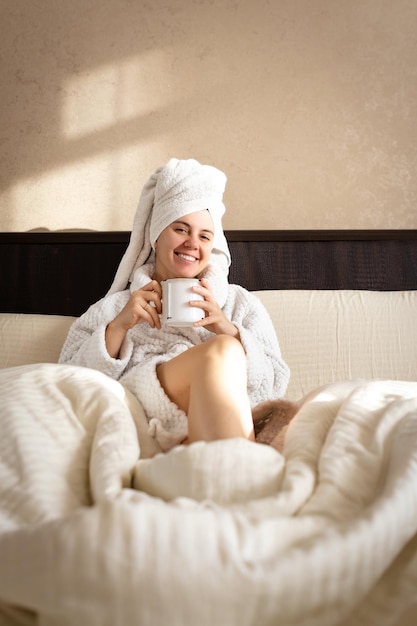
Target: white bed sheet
323, 534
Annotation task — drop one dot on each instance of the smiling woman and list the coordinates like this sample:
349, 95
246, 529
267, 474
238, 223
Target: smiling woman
198, 382
183, 248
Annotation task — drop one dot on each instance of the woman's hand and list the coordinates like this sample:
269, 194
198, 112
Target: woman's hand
137, 310
215, 320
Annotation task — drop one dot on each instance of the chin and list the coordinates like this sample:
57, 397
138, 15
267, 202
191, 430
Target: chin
188, 275
188, 272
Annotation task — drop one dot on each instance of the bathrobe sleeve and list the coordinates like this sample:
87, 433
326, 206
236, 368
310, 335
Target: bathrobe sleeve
268, 374
85, 343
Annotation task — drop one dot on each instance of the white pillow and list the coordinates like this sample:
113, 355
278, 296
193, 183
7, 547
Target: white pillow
229, 471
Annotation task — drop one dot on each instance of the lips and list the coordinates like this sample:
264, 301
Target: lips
186, 257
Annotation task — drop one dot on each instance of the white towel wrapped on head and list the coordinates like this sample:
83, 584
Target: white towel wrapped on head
176, 189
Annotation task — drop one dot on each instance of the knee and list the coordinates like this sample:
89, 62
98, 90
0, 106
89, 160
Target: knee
227, 349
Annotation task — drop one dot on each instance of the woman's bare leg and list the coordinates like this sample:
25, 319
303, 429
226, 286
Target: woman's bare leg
208, 382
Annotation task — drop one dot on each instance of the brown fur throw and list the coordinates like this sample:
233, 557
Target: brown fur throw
271, 419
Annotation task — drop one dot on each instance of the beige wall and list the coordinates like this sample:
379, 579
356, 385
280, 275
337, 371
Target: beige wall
309, 106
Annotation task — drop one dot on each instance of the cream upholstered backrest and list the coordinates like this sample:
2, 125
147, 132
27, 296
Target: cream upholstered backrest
328, 336
29, 338
325, 336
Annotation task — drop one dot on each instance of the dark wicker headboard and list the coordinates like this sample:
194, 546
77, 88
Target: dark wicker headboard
65, 272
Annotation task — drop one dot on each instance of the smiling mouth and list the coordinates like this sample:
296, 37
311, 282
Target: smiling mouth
186, 257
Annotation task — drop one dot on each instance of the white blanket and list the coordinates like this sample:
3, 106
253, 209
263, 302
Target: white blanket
98, 528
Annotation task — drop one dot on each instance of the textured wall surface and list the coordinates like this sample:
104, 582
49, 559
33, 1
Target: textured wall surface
308, 106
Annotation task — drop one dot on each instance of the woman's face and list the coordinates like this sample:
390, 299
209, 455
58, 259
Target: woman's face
183, 248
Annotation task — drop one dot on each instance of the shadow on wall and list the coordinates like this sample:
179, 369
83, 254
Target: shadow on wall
88, 78
307, 106
74, 77
87, 81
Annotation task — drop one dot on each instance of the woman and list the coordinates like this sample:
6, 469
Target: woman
195, 383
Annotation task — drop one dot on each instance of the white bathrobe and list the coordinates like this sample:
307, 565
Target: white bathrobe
144, 348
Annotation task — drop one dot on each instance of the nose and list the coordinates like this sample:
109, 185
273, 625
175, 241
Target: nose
191, 241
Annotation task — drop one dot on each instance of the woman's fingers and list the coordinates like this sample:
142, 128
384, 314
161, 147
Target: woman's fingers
151, 293
143, 306
151, 315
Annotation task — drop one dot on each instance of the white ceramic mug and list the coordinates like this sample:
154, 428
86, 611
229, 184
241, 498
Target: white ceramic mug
176, 295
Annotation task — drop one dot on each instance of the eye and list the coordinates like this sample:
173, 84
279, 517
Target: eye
180, 229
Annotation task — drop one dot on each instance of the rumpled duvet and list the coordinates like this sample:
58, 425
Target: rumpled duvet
98, 527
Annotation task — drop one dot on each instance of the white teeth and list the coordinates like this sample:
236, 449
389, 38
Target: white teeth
186, 257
